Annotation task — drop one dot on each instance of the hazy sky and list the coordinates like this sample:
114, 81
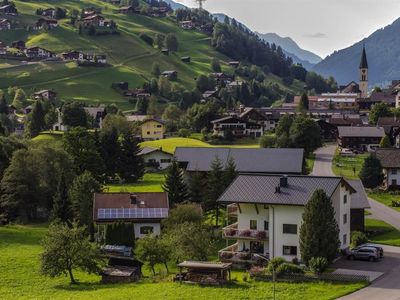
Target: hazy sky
321, 26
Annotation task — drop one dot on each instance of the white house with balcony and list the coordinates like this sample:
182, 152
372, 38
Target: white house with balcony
268, 210
238, 127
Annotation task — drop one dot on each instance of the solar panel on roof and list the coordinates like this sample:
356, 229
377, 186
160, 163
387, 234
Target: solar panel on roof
131, 213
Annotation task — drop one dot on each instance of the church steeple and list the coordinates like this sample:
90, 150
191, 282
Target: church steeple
364, 62
363, 85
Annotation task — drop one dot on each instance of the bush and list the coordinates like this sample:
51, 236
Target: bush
149, 40
268, 141
183, 132
288, 268
318, 264
358, 238
275, 263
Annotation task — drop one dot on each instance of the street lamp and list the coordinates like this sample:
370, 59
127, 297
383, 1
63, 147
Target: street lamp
273, 273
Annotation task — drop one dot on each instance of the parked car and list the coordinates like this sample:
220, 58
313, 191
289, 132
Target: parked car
346, 152
363, 253
378, 248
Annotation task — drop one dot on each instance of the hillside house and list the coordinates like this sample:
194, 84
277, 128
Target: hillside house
390, 161
234, 64
158, 12
71, 55
253, 115
18, 45
209, 94
92, 58
187, 25
223, 78
96, 20
9, 9
49, 12
137, 118
156, 158
45, 95
165, 51
361, 138
45, 23
269, 212
171, 75
129, 9
237, 126
247, 160
185, 59
5, 24
38, 52
153, 129
144, 210
3, 48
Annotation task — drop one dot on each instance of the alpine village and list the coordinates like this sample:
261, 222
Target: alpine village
149, 150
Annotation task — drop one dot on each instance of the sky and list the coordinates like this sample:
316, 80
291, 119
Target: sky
321, 26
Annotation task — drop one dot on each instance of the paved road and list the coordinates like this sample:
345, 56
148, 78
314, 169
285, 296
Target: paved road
386, 287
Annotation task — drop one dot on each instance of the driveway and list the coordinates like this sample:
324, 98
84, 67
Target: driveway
323, 161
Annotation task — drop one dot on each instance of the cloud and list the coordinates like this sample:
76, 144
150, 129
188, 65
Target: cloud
317, 35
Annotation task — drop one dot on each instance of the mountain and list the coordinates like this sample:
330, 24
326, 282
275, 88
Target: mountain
383, 53
175, 5
291, 48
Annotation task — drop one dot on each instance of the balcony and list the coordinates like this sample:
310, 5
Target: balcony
231, 254
232, 232
232, 209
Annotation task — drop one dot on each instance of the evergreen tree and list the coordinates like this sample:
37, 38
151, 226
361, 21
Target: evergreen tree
203, 83
159, 40
19, 99
215, 187
371, 173
130, 165
171, 42
385, 142
3, 105
109, 149
303, 105
197, 187
36, 120
141, 106
215, 65
175, 184
155, 69
153, 108
80, 194
61, 205
230, 172
319, 232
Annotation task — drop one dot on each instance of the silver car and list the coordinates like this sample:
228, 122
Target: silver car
364, 253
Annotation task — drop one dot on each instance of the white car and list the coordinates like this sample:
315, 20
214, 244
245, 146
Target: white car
346, 152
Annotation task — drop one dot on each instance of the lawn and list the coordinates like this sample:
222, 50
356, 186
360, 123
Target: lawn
348, 166
388, 235
385, 198
151, 182
20, 279
310, 160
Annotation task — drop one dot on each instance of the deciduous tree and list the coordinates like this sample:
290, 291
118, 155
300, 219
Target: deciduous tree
371, 173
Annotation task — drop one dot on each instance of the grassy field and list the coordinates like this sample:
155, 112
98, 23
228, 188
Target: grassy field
385, 198
130, 58
20, 279
348, 166
389, 236
151, 182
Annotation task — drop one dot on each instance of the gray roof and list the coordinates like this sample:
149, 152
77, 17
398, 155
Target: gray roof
247, 160
248, 188
359, 199
389, 158
362, 131
148, 150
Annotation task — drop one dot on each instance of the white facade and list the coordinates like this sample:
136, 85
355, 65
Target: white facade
142, 229
392, 177
159, 157
281, 224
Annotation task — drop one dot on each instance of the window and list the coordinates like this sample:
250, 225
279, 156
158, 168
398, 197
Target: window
266, 225
148, 132
289, 250
253, 224
344, 218
344, 199
344, 239
394, 171
159, 126
290, 228
146, 229
394, 181
165, 160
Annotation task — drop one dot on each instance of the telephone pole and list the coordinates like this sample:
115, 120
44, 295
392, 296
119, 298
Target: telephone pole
200, 2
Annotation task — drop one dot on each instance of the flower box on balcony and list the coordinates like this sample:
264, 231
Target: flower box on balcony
245, 232
244, 256
261, 235
226, 255
230, 232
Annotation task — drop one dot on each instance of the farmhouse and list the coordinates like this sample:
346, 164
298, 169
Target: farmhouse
237, 126
234, 64
390, 161
253, 115
5, 24
247, 160
45, 23
156, 158
188, 25
127, 9
361, 138
38, 52
144, 210
93, 58
269, 212
96, 20
49, 12
9, 10
223, 78
71, 55
153, 129
45, 95
172, 75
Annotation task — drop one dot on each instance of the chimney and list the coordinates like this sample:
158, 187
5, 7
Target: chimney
283, 181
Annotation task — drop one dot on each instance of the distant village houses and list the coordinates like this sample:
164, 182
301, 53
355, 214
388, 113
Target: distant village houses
38, 52
45, 23
45, 95
237, 127
5, 24
9, 9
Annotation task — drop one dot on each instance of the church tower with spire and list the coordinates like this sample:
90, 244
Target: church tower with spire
363, 86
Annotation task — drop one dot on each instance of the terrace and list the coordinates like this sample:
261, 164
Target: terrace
232, 254
232, 232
